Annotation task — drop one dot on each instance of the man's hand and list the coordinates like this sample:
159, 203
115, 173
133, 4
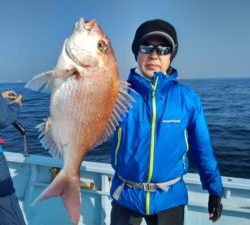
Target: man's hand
214, 207
12, 96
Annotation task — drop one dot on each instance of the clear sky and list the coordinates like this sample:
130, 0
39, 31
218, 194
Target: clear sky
214, 35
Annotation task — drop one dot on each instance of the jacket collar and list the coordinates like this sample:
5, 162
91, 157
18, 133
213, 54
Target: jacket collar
144, 86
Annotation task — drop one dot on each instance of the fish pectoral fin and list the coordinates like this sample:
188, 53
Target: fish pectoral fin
41, 82
122, 106
47, 139
68, 187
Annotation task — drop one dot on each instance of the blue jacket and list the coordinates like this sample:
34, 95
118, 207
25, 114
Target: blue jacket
8, 115
152, 141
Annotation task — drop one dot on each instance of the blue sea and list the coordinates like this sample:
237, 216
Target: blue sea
226, 104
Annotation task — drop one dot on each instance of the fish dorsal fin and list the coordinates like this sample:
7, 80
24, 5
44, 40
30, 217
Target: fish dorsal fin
47, 140
41, 82
122, 106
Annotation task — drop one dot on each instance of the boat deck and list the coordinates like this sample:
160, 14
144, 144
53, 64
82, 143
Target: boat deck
32, 174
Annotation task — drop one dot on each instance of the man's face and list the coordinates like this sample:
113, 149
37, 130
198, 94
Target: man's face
153, 62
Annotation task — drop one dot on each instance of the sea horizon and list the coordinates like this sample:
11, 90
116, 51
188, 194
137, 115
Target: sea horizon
182, 77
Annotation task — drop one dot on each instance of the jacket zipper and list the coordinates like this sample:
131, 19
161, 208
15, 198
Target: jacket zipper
187, 148
119, 134
152, 145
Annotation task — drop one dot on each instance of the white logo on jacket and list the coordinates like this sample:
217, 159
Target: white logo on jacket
172, 121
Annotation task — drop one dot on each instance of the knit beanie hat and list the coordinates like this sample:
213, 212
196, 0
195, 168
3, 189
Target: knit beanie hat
152, 28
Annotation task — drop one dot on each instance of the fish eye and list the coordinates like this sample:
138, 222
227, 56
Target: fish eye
102, 46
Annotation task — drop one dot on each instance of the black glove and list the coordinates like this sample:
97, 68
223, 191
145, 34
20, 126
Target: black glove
214, 207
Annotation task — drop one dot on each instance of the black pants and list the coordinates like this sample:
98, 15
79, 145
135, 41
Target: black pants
10, 212
124, 216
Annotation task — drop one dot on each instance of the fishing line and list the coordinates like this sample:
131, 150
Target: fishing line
35, 98
31, 99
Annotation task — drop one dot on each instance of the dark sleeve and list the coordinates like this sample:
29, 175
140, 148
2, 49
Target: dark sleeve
8, 113
202, 152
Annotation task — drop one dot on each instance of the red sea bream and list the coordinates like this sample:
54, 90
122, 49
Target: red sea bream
87, 102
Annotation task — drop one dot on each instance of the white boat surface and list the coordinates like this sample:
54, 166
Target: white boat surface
32, 174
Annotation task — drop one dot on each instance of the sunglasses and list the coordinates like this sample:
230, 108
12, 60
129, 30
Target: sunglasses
161, 50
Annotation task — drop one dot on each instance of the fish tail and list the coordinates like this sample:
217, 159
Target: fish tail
68, 187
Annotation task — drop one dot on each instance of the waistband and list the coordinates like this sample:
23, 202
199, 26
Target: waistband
164, 186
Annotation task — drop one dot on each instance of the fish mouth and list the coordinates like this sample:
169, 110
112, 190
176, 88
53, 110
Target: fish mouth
89, 24
83, 24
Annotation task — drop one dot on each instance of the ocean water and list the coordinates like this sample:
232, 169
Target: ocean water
226, 104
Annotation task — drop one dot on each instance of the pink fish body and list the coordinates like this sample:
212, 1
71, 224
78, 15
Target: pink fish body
87, 101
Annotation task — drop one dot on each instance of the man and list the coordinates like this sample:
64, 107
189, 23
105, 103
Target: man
10, 212
150, 146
